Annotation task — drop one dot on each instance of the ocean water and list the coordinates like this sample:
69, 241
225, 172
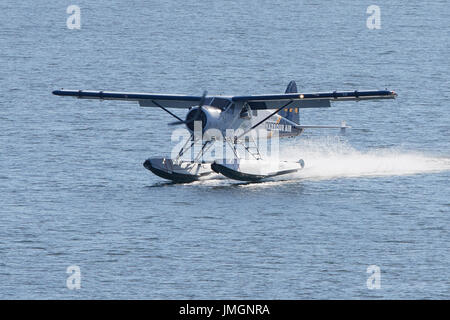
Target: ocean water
73, 191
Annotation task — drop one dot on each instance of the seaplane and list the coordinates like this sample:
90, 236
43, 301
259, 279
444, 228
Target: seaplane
231, 122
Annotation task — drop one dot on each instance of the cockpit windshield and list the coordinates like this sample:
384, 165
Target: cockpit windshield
220, 103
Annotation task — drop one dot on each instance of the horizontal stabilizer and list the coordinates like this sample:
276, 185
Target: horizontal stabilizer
343, 126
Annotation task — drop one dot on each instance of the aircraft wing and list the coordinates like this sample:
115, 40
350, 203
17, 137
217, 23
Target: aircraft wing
256, 102
144, 99
311, 100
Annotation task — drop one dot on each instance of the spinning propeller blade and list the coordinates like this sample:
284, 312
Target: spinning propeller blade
197, 114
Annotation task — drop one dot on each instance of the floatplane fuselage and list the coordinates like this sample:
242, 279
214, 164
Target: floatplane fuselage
237, 122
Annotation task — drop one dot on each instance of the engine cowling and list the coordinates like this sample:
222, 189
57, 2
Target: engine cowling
209, 116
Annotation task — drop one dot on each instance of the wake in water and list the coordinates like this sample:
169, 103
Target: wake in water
333, 158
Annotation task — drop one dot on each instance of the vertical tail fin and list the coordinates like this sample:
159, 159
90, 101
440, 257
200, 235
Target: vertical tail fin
292, 87
291, 113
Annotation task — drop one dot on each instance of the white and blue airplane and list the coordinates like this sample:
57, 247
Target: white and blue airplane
216, 116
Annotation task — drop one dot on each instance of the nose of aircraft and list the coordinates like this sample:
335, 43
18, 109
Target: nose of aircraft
147, 164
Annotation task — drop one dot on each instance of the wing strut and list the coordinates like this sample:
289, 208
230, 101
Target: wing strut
263, 120
172, 114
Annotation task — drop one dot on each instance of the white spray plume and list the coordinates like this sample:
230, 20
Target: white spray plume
331, 157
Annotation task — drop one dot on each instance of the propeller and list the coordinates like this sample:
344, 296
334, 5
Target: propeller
197, 114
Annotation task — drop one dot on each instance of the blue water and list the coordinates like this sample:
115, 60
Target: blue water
73, 190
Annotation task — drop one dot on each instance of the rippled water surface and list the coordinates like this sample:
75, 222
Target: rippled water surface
73, 190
